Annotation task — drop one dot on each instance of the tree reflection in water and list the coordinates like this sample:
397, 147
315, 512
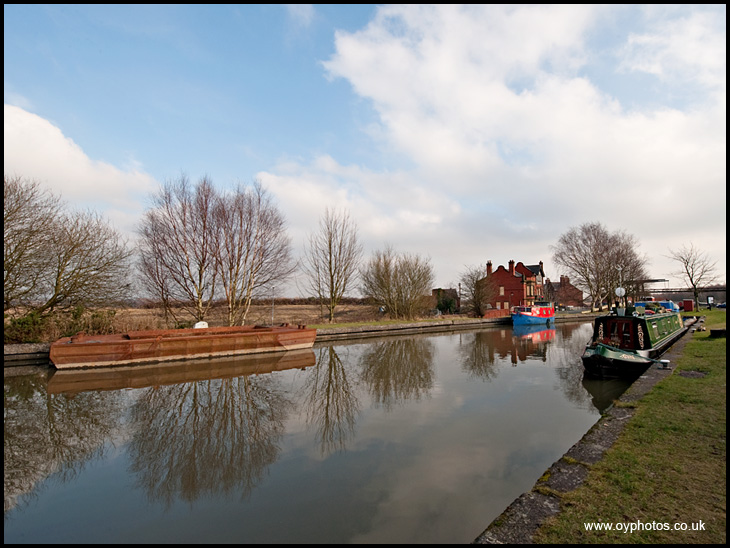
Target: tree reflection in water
330, 401
398, 370
212, 437
477, 353
53, 434
207, 437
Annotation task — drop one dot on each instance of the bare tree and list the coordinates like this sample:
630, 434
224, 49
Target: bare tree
398, 282
378, 280
178, 247
696, 269
624, 266
29, 215
478, 290
89, 265
592, 256
56, 259
579, 252
254, 252
332, 259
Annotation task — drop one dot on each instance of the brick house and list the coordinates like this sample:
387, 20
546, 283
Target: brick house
517, 285
565, 293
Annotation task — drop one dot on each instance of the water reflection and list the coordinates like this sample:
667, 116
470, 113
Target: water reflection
398, 370
189, 436
477, 352
604, 392
206, 437
532, 341
481, 352
45, 434
330, 401
194, 432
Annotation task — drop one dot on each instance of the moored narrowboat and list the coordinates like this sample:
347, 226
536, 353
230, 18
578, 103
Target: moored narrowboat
627, 344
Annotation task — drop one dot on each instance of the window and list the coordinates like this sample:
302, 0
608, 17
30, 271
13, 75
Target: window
501, 290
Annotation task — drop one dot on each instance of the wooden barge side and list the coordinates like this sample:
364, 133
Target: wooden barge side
138, 347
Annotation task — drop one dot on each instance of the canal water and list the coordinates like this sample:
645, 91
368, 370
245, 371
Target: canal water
401, 439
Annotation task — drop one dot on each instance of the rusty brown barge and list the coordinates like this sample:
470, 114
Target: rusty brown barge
72, 381
154, 346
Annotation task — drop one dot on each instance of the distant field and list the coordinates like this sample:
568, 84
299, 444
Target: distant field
144, 318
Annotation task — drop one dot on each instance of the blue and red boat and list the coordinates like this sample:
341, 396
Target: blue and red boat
540, 312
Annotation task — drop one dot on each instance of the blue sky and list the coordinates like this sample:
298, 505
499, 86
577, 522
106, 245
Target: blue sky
461, 133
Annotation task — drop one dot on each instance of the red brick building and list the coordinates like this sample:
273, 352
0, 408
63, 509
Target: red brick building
564, 294
517, 285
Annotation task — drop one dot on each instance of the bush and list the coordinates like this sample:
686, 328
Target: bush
446, 305
27, 329
36, 328
97, 322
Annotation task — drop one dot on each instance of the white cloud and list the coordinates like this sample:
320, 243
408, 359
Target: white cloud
506, 132
686, 48
490, 105
36, 149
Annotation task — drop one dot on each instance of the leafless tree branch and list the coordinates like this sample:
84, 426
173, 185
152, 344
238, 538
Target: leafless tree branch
332, 259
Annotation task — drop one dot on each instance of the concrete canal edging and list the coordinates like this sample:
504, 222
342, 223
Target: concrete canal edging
524, 516
364, 331
430, 326
17, 355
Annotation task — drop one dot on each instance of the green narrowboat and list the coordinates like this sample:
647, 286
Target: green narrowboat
627, 344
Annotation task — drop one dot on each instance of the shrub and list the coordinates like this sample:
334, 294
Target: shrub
27, 329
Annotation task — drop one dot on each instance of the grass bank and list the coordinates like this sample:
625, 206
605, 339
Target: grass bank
667, 470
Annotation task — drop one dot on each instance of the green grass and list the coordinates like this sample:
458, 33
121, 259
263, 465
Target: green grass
667, 467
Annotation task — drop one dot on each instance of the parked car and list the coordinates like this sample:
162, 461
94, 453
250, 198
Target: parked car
670, 305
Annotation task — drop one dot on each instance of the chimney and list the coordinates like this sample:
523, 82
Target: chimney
489, 268
512, 267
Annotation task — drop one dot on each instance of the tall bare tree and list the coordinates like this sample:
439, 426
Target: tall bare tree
477, 289
578, 251
254, 251
89, 266
598, 261
56, 259
398, 282
624, 266
178, 247
29, 215
696, 269
332, 259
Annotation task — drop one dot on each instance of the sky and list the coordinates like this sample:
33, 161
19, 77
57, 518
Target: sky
459, 133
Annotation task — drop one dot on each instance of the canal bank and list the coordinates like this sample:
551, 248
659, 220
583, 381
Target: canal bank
524, 517
37, 354
430, 326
